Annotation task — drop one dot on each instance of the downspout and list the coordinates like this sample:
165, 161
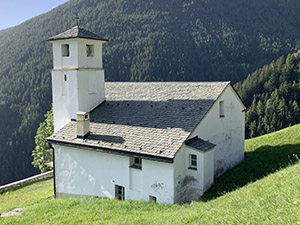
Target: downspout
53, 155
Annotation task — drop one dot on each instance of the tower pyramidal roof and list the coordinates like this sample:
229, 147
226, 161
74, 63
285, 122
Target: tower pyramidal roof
77, 32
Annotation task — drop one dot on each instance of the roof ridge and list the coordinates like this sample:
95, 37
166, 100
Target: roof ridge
76, 32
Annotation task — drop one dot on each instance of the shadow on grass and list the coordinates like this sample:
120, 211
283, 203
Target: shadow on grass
257, 164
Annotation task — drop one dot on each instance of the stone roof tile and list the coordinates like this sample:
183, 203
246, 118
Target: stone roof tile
77, 32
151, 119
199, 144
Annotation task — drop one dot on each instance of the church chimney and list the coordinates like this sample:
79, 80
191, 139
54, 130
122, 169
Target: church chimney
83, 124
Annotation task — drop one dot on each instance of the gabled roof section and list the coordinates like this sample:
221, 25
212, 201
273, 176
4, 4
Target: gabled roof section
199, 144
238, 97
77, 32
145, 119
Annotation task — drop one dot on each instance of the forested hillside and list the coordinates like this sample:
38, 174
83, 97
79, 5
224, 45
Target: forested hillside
148, 41
272, 95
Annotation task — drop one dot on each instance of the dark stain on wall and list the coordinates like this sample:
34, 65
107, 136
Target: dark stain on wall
185, 190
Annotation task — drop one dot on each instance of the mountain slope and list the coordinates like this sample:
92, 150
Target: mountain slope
255, 192
272, 95
150, 40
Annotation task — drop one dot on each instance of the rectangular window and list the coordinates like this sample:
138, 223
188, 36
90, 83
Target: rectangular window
152, 198
136, 162
65, 50
90, 50
222, 109
193, 162
119, 192
64, 85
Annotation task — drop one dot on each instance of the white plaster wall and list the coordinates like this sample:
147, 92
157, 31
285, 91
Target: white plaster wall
190, 184
73, 95
228, 133
65, 62
91, 173
158, 181
208, 169
84, 88
135, 177
78, 57
182, 159
92, 61
91, 90
65, 97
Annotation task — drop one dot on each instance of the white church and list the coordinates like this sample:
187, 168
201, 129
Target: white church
150, 141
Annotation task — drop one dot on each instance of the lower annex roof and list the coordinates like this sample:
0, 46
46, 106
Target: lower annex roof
199, 144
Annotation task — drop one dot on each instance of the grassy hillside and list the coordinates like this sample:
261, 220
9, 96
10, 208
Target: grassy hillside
148, 41
264, 189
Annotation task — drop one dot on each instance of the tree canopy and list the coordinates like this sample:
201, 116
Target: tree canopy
42, 152
272, 95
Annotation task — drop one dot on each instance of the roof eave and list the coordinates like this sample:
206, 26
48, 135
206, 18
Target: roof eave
199, 150
111, 151
238, 96
66, 38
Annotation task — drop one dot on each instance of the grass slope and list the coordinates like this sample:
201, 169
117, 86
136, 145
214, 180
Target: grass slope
264, 189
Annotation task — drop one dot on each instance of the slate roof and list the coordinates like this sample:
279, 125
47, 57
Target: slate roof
77, 32
199, 144
149, 120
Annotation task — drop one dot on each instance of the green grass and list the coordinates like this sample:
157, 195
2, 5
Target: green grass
264, 189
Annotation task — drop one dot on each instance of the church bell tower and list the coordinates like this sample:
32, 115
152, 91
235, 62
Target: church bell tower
77, 74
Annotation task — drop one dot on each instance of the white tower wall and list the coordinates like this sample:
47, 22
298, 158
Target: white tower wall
60, 61
94, 61
77, 78
91, 90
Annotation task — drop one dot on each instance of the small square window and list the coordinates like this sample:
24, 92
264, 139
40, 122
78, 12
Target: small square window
152, 198
65, 50
119, 192
90, 50
222, 109
193, 162
136, 162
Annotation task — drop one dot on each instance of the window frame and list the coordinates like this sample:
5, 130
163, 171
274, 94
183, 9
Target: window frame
193, 162
90, 50
119, 192
136, 162
65, 50
221, 109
